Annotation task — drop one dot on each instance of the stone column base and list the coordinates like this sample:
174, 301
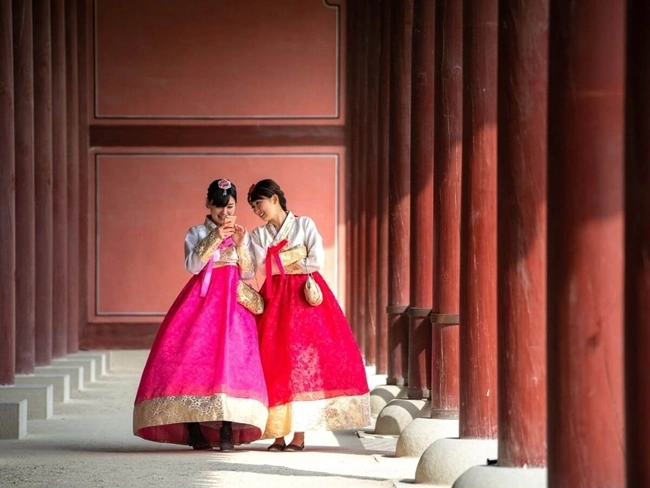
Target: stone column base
87, 363
13, 419
421, 433
446, 460
395, 416
382, 395
502, 477
60, 384
101, 358
40, 403
76, 374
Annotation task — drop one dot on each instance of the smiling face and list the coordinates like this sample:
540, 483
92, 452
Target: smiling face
265, 208
217, 214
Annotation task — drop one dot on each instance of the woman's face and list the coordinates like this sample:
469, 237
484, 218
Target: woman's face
219, 213
264, 208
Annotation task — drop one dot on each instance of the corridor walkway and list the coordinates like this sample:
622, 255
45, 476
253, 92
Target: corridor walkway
89, 443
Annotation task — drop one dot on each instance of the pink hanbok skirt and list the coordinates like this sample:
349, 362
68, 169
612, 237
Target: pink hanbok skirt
204, 366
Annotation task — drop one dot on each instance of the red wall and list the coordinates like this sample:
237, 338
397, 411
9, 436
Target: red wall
220, 60
181, 93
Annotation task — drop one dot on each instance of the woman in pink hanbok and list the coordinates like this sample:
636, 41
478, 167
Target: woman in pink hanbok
203, 383
314, 372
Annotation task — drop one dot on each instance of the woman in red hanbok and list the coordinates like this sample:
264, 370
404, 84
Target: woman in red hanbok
203, 383
314, 372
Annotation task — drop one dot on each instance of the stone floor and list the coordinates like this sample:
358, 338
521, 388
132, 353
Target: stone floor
89, 443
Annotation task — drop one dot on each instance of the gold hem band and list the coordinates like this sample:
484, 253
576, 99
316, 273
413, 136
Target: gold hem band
191, 408
339, 413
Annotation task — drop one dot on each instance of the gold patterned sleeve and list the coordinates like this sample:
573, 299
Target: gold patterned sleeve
244, 260
205, 248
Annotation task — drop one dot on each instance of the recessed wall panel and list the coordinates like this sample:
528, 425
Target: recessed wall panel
216, 59
145, 203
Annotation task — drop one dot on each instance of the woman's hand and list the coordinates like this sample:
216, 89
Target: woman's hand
239, 234
226, 230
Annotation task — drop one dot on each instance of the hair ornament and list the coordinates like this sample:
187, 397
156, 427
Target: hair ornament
225, 185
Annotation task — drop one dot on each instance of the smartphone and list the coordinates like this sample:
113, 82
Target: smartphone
229, 220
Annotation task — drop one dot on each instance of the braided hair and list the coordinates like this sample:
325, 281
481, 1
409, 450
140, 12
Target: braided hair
266, 189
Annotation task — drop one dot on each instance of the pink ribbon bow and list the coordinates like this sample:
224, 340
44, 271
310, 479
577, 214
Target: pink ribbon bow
273, 253
207, 277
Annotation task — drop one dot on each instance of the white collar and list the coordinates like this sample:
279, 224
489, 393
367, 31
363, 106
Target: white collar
286, 227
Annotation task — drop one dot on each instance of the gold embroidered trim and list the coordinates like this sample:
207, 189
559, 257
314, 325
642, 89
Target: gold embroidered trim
339, 413
244, 260
250, 298
205, 248
228, 254
190, 408
293, 255
292, 269
291, 260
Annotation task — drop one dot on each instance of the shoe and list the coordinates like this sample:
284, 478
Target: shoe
226, 446
196, 439
294, 447
225, 438
202, 447
277, 446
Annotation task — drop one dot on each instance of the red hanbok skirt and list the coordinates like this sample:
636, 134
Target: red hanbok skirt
315, 376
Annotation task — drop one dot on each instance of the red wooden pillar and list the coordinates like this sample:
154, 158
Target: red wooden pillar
478, 328
84, 183
372, 169
362, 80
421, 262
447, 190
7, 201
399, 191
25, 203
637, 248
59, 184
72, 138
521, 279
43, 182
352, 160
585, 244
382, 203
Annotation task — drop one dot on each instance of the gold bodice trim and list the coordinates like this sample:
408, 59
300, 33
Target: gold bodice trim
291, 260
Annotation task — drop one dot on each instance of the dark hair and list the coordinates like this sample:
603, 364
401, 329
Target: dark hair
266, 189
220, 191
